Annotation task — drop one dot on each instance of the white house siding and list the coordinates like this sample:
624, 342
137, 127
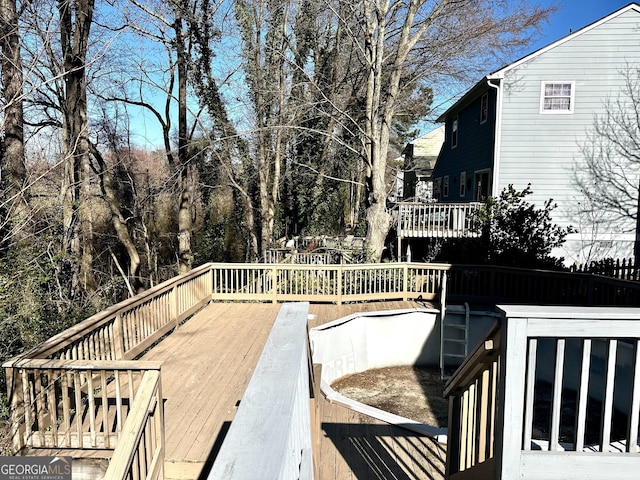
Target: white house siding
544, 149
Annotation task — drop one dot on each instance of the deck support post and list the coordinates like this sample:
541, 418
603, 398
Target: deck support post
16, 400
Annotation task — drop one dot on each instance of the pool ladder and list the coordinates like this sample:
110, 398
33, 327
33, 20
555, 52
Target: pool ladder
454, 340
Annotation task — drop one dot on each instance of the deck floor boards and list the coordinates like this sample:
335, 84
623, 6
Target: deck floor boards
208, 362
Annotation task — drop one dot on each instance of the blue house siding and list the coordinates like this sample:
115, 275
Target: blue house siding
546, 149
474, 150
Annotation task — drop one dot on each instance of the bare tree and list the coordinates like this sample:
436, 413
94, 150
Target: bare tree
404, 45
75, 26
609, 172
264, 28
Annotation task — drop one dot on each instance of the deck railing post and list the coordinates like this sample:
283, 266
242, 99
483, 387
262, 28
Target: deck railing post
160, 434
210, 281
405, 282
174, 305
118, 337
339, 283
16, 400
274, 284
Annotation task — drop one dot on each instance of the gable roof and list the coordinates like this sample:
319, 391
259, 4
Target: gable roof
428, 144
424, 151
499, 74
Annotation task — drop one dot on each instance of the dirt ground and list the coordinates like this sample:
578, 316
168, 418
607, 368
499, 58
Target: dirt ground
411, 392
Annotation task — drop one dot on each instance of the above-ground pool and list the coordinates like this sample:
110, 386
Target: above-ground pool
390, 338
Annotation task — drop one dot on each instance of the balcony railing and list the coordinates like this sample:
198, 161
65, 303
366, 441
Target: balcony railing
553, 393
437, 220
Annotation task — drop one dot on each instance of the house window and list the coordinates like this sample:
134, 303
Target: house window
482, 185
484, 108
445, 186
463, 184
437, 188
557, 97
454, 133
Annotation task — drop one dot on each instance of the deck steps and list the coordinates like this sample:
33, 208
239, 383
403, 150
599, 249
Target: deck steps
86, 464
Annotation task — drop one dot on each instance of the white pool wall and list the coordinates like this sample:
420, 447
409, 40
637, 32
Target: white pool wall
389, 338
367, 340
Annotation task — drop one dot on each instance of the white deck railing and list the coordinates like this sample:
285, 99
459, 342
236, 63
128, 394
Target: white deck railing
439, 220
552, 394
270, 436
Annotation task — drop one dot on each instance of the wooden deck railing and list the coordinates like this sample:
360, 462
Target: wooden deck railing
326, 283
84, 366
472, 393
140, 451
76, 404
561, 386
493, 285
274, 411
436, 220
305, 258
76, 389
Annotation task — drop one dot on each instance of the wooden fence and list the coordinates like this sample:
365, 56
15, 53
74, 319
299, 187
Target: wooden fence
553, 393
625, 269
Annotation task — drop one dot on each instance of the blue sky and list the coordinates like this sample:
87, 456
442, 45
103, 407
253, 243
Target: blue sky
573, 15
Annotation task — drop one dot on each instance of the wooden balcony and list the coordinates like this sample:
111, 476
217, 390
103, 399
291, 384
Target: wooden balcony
436, 220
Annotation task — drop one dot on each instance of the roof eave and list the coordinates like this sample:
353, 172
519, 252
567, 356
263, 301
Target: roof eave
500, 73
464, 100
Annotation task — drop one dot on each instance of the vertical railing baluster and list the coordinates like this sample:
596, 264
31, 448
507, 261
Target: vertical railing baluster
39, 405
106, 425
632, 434
583, 394
53, 406
530, 393
556, 408
464, 431
495, 378
607, 404
118, 403
65, 387
78, 407
483, 416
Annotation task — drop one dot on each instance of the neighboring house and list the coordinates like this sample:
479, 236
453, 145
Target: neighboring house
529, 121
419, 159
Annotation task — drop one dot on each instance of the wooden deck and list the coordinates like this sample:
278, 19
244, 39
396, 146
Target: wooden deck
208, 362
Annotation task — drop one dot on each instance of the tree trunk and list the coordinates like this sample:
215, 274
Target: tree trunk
118, 221
185, 222
75, 24
13, 169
